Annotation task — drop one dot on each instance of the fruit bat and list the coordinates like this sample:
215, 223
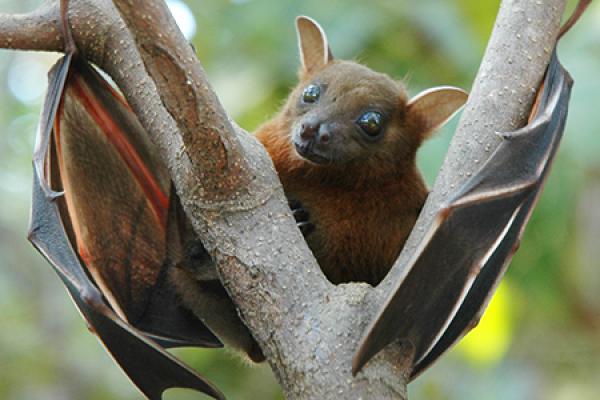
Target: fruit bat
137, 225
110, 224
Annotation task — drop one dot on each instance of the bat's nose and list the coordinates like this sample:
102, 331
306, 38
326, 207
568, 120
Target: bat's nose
309, 129
315, 131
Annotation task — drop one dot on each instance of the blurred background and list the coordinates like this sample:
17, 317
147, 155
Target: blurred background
540, 338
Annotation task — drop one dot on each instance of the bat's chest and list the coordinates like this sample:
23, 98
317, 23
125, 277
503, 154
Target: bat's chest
357, 235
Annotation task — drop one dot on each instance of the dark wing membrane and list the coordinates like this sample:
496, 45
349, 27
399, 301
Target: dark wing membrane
151, 368
553, 108
117, 195
54, 230
116, 201
458, 264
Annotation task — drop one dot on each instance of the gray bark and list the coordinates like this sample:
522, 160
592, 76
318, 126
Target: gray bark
307, 327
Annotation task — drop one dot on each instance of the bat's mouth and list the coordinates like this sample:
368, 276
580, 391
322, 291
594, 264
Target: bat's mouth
307, 151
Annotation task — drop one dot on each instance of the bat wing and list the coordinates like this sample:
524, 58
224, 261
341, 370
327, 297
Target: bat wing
101, 216
455, 269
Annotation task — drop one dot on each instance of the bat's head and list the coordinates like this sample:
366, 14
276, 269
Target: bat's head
344, 113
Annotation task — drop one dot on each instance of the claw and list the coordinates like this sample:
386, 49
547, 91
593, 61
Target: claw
306, 228
302, 217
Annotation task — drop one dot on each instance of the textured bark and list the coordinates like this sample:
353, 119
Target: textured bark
307, 327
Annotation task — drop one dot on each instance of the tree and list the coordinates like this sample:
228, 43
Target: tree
225, 181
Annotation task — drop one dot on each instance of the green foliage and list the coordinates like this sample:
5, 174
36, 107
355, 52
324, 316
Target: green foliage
248, 48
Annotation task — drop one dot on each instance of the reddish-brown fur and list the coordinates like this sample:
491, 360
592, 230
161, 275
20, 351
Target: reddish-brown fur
362, 209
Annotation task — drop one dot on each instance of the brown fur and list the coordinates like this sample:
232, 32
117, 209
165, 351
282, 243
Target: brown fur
363, 206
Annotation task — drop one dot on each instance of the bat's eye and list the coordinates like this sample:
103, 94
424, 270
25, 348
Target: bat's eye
370, 123
311, 93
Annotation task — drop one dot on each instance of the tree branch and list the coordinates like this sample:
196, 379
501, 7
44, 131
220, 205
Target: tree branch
38, 30
500, 101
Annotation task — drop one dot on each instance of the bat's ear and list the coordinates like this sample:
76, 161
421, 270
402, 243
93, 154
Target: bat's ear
433, 107
312, 41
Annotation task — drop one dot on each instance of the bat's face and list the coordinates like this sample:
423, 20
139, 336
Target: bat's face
345, 117
346, 113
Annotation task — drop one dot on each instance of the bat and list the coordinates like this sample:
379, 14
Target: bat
472, 239
116, 275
